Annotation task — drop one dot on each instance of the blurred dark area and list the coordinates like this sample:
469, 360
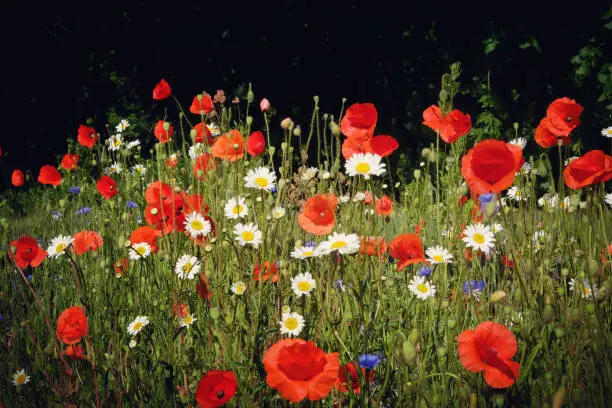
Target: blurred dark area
57, 59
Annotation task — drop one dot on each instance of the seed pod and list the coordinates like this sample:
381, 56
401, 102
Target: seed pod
409, 352
547, 314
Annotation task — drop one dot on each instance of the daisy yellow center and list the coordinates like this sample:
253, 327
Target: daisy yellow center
141, 250
362, 168
237, 209
291, 323
240, 289
117, 142
187, 267
137, 326
338, 245
610, 131
587, 291
421, 287
518, 193
21, 379
307, 253
478, 238
60, 247
304, 286
197, 225
188, 320
438, 258
261, 182
247, 236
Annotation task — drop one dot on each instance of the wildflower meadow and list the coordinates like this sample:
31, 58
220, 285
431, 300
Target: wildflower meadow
228, 256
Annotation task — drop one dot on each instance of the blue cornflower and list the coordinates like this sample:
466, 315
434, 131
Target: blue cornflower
56, 215
310, 244
132, 204
485, 199
369, 361
425, 271
273, 190
29, 277
75, 190
84, 210
473, 287
339, 284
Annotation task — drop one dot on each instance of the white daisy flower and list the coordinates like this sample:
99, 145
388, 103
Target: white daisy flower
140, 250
278, 212
196, 225
566, 203
260, 178
292, 324
139, 170
121, 126
132, 144
479, 237
607, 132
303, 284
421, 288
115, 168
20, 378
197, 150
364, 164
114, 142
608, 199
188, 320
343, 243
517, 194
303, 252
571, 159
551, 200
309, 173
359, 196
438, 255
519, 141
213, 129
58, 245
238, 288
247, 234
236, 208
525, 169
586, 289
187, 267
137, 325
496, 228
344, 198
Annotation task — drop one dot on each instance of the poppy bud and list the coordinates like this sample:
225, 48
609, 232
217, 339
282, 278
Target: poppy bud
547, 313
193, 134
271, 150
94, 162
264, 105
417, 174
409, 352
451, 323
441, 351
490, 208
498, 400
297, 131
214, 313
249, 120
414, 336
250, 96
286, 123
564, 272
497, 296
335, 129
284, 146
127, 243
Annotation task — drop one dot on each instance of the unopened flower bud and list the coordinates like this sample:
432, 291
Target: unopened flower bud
286, 123
335, 129
250, 96
193, 134
417, 174
497, 296
249, 120
166, 126
127, 243
297, 131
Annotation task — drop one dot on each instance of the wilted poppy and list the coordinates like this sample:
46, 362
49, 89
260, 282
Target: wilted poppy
27, 252
85, 241
349, 379
162, 90
373, 246
491, 165
120, 266
318, 214
203, 289
203, 164
107, 187
490, 347
17, 178
228, 146
202, 134
545, 138
70, 161
298, 369
87, 136
161, 133
201, 105
71, 325
359, 121
451, 126
49, 175
216, 388
384, 205
180, 310
406, 249
75, 352
563, 116
256, 144
270, 271
146, 234
594, 167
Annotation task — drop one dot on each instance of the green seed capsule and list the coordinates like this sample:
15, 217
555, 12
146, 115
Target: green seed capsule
547, 314
409, 352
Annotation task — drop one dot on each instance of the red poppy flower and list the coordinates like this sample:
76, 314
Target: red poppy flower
87, 136
172, 161
368, 198
381, 145
120, 266
451, 127
373, 246
348, 377
158, 192
270, 272
256, 144
70, 161
298, 369
203, 164
594, 167
318, 214
162, 90
161, 133
491, 165
202, 132
384, 205
201, 105
17, 178
49, 175
85, 241
75, 352
27, 252
490, 347
545, 138
180, 310
359, 121
146, 234
107, 187
419, 226
229, 146
71, 325
407, 249
202, 288
216, 388
563, 116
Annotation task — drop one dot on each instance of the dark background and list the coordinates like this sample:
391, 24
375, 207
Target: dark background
58, 59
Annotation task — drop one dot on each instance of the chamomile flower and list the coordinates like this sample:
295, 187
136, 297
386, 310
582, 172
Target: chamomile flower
137, 325
260, 178
278, 212
196, 225
421, 288
607, 132
608, 199
291, 324
115, 168
438, 255
187, 320
364, 164
303, 284
344, 198
238, 288
58, 245
213, 129
359, 196
115, 142
343, 243
197, 150
140, 250
187, 267
586, 289
496, 228
132, 144
517, 194
20, 378
519, 141
479, 237
236, 208
303, 252
248, 234
309, 173
121, 126
139, 170
551, 200
525, 169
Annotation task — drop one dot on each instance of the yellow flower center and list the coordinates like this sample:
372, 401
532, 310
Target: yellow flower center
137, 326
438, 258
117, 142
610, 131
240, 289
21, 379
362, 168
587, 291
261, 182
307, 253
247, 236
338, 245
421, 287
304, 286
478, 238
188, 320
291, 323
141, 250
60, 247
187, 267
197, 225
237, 209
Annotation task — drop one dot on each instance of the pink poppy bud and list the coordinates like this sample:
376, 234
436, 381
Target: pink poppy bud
264, 105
